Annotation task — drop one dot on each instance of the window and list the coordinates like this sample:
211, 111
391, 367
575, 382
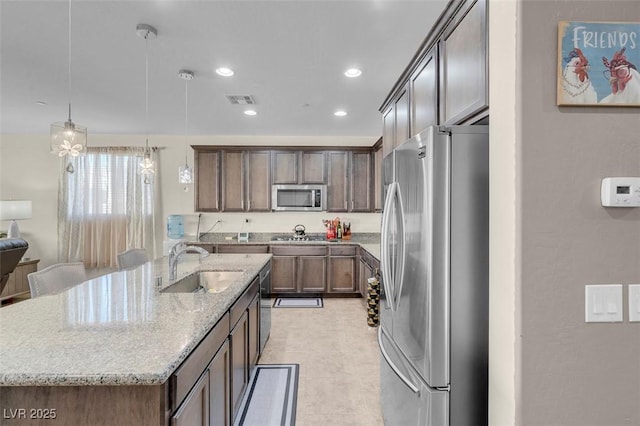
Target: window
105, 208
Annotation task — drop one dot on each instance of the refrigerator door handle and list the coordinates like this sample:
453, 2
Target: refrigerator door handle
384, 253
395, 369
400, 277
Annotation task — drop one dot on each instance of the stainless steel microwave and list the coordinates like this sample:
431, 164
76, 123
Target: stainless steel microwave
306, 198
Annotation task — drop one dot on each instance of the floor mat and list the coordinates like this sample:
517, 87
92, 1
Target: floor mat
298, 302
270, 399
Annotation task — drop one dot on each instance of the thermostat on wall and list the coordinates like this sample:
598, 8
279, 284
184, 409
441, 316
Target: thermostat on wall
620, 192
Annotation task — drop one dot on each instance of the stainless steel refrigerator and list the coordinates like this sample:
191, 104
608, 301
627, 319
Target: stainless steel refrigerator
434, 313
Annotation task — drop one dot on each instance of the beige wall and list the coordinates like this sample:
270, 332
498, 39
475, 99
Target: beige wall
570, 372
28, 171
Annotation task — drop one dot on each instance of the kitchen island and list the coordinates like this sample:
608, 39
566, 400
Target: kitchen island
106, 351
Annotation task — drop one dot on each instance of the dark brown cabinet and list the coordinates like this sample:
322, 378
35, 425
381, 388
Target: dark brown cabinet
349, 187
258, 181
424, 94
234, 179
207, 177
242, 248
298, 269
254, 327
388, 130
402, 131
239, 339
312, 170
285, 167
220, 388
194, 411
338, 183
377, 177
233, 176
343, 269
463, 65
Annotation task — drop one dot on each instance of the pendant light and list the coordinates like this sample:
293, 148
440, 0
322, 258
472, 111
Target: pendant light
185, 173
67, 138
147, 166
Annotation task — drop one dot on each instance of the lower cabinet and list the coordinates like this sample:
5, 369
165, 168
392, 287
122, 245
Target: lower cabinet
239, 339
298, 269
343, 269
220, 388
242, 248
208, 387
194, 410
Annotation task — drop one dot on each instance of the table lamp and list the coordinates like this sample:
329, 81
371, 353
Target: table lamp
14, 210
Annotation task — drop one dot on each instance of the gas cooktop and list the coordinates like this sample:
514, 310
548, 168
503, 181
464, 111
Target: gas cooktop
296, 238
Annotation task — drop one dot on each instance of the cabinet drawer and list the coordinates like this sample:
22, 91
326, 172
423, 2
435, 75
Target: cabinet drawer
242, 248
343, 251
186, 375
299, 250
243, 302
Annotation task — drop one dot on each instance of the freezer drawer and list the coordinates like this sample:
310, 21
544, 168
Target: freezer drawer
405, 399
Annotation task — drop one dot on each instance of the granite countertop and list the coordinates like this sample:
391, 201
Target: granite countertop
369, 241
118, 329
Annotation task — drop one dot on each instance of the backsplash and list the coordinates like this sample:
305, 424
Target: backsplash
276, 222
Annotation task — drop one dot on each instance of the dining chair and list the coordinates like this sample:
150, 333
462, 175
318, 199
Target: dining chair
56, 278
132, 258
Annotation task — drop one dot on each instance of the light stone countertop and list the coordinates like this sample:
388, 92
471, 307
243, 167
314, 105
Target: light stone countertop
118, 329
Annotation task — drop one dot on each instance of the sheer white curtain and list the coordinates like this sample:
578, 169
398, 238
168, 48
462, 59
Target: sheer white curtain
104, 207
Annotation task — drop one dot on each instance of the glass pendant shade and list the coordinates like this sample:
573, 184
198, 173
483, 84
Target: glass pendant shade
185, 174
68, 139
147, 166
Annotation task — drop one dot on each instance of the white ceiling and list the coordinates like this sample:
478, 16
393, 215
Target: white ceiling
290, 55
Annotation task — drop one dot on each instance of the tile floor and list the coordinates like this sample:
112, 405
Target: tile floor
339, 382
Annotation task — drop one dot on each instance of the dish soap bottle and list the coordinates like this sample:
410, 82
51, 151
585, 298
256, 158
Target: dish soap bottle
339, 231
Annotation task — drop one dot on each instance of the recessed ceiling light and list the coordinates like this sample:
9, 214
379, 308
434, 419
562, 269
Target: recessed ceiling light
225, 72
353, 72
41, 103
250, 112
340, 113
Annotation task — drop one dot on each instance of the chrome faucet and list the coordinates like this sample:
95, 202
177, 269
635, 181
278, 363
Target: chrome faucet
178, 250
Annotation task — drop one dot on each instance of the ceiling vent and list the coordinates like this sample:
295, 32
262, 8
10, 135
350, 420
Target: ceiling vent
241, 99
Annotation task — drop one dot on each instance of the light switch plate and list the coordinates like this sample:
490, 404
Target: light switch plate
603, 303
634, 302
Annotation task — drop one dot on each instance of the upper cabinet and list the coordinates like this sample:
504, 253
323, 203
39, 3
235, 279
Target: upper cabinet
299, 167
447, 82
207, 188
236, 179
464, 76
395, 126
424, 94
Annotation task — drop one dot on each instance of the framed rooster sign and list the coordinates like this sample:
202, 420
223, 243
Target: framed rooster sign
598, 63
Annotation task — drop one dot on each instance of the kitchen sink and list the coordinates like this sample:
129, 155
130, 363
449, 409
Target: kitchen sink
205, 281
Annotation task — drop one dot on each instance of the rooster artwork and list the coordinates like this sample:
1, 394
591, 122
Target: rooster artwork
576, 85
624, 80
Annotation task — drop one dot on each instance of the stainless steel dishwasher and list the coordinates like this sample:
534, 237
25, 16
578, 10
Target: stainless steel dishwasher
265, 305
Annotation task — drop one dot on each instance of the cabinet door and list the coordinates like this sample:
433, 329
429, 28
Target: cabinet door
388, 130
232, 181
361, 185
424, 94
312, 273
364, 273
220, 388
254, 327
402, 118
337, 187
342, 275
207, 191
283, 274
239, 339
194, 410
258, 181
284, 167
377, 196
312, 168
463, 72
